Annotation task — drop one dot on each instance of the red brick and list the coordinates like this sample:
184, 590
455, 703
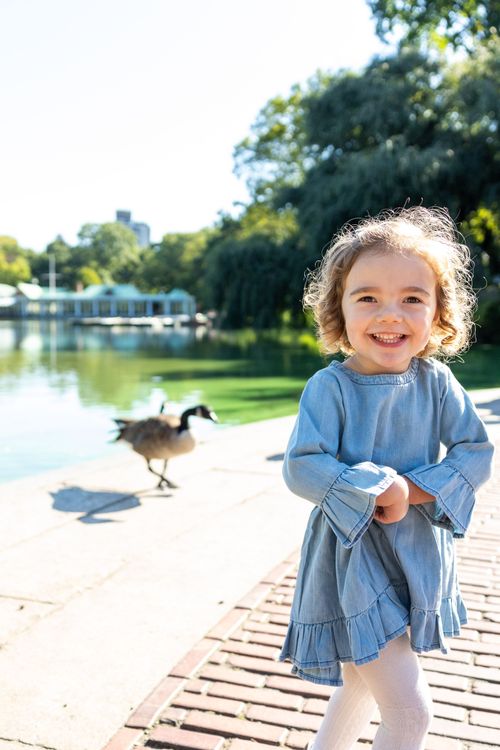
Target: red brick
259, 665
468, 700
255, 596
264, 639
463, 670
218, 657
241, 635
465, 732
173, 715
165, 736
279, 619
433, 742
208, 703
449, 711
297, 686
236, 676
441, 679
228, 624
146, 714
264, 627
467, 635
489, 661
315, 706
257, 616
485, 718
263, 696
238, 744
292, 719
490, 638
228, 727
250, 649
486, 688
277, 574
463, 656
275, 609
299, 740
124, 739
194, 659
197, 686
477, 648
275, 598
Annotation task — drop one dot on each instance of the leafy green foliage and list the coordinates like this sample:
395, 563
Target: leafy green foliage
277, 153
14, 266
460, 23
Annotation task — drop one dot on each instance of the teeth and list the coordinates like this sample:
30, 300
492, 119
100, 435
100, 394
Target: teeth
388, 338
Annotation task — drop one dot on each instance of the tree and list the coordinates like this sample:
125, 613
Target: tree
14, 265
111, 250
403, 130
251, 266
461, 23
176, 261
276, 153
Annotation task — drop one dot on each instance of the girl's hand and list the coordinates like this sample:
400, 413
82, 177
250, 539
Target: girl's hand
393, 504
392, 513
397, 492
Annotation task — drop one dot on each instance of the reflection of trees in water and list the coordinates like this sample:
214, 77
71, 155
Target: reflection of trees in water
122, 367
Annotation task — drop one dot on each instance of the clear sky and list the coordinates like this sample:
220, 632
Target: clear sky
138, 104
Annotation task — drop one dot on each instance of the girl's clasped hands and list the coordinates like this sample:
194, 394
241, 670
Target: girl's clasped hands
393, 504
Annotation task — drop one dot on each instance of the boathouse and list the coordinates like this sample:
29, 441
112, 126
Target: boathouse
96, 301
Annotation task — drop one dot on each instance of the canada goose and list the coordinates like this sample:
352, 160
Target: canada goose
162, 437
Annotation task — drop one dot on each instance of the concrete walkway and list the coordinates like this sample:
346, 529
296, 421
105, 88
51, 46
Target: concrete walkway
106, 585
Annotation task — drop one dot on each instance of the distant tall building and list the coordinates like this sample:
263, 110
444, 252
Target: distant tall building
140, 229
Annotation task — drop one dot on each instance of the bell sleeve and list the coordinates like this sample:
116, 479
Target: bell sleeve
311, 469
467, 464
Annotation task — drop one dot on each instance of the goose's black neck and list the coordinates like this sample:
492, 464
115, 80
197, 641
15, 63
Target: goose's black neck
184, 419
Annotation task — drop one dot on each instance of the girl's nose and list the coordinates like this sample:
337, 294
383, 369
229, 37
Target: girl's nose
389, 313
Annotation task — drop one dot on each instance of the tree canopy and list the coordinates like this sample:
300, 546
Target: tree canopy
461, 23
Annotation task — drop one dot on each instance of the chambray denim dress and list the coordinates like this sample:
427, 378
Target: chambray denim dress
361, 583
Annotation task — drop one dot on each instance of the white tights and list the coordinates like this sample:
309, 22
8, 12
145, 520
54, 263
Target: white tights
396, 684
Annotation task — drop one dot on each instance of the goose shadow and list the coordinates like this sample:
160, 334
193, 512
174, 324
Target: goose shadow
89, 503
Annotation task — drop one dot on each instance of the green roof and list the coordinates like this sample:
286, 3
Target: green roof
99, 291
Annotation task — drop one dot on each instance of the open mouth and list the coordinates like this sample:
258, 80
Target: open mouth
388, 339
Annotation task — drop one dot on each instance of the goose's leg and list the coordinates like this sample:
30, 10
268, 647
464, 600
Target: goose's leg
166, 481
162, 478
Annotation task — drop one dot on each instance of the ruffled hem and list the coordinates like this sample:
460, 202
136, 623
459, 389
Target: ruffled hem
360, 638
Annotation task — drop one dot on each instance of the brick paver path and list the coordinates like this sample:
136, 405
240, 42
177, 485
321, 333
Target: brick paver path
230, 692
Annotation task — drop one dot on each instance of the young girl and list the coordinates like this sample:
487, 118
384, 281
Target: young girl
378, 553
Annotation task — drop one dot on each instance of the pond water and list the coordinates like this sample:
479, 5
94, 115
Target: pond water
61, 385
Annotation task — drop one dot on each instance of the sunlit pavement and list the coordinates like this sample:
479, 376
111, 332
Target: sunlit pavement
123, 618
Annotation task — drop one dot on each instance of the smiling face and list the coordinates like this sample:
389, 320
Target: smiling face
389, 306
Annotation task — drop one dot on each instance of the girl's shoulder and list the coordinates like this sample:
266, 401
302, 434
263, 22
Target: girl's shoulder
437, 371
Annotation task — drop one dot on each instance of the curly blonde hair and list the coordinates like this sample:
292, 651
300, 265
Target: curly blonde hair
428, 232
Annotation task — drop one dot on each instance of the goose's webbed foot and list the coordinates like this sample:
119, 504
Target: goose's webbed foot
164, 482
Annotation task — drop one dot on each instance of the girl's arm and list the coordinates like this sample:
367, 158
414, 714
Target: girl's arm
345, 494
417, 495
452, 483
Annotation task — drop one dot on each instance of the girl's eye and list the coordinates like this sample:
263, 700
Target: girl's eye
413, 300
367, 298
